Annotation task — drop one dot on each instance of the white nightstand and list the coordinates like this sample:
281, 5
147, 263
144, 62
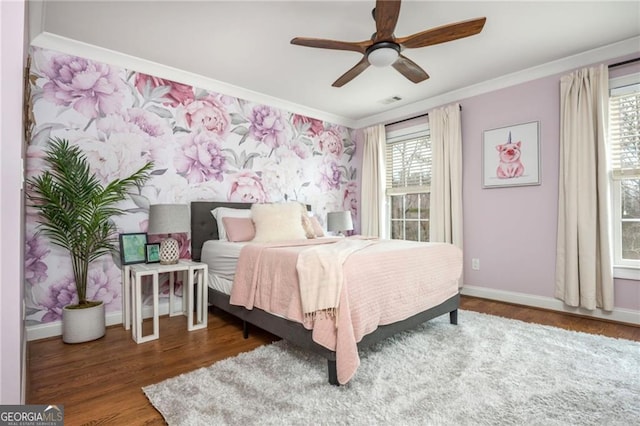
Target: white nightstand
132, 280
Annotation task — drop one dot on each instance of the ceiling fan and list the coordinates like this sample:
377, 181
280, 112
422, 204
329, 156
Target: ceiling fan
385, 49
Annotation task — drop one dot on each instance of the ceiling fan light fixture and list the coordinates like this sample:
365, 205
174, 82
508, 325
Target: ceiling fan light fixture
383, 54
384, 48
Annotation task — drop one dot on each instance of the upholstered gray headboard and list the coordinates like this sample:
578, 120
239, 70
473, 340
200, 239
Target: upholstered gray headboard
204, 226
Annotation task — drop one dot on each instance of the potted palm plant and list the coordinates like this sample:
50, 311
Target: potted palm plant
75, 213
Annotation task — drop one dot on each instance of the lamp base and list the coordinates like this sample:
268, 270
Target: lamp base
169, 251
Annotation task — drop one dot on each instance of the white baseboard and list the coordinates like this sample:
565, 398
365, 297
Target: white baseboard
628, 316
43, 331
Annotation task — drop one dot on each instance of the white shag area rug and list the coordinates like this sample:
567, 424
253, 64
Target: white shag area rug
485, 371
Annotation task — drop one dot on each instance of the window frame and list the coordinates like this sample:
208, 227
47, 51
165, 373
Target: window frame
623, 268
406, 220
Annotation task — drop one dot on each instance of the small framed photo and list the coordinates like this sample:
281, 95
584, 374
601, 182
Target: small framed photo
511, 156
132, 248
152, 251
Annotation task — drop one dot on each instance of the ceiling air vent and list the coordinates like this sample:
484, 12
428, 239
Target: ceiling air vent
391, 100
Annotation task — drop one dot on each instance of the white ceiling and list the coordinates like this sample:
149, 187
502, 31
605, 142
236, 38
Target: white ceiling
242, 47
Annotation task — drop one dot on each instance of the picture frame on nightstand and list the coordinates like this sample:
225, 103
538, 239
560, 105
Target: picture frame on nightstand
132, 248
152, 251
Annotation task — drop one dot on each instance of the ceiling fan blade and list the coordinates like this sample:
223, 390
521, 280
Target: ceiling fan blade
443, 34
410, 69
356, 46
386, 17
352, 73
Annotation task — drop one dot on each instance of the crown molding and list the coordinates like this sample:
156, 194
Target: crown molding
58, 43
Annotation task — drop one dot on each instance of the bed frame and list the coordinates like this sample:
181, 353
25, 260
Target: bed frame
204, 227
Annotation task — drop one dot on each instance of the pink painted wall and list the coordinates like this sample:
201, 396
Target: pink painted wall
513, 230
12, 24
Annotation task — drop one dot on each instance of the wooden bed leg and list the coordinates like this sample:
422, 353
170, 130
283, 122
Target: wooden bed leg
333, 372
453, 317
245, 329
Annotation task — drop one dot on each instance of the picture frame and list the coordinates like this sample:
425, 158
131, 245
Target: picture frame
152, 252
132, 248
511, 156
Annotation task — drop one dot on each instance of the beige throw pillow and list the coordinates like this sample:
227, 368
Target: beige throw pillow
277, 222
307, 225
317, 229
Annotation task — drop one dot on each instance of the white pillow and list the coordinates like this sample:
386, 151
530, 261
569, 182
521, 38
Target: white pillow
277, 222
220, 212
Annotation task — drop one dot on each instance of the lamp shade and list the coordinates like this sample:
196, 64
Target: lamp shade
339, 221
168, 219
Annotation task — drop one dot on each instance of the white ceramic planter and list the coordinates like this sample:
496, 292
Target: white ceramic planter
83, 325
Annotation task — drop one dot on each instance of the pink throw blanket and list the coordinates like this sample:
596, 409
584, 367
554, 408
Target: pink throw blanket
382, 284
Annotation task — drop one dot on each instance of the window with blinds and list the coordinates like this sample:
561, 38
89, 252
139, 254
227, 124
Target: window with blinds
624, 131
624, 145
408, 163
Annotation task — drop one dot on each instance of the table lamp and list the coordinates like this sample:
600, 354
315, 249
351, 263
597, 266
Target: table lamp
339, 221
168, 219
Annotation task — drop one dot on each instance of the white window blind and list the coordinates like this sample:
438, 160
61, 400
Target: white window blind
624, 131
408, 163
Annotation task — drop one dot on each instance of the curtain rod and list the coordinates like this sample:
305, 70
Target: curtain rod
407, 119
629, 61
426, 114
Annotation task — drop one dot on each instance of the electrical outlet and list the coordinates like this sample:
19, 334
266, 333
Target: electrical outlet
475, 264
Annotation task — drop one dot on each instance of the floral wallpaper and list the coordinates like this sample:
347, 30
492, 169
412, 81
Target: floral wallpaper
204, 145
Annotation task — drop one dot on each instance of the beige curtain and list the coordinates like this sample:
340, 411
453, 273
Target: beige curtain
584, 272
445, 217
372, 205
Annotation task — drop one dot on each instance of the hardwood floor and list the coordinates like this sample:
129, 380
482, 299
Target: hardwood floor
100, 382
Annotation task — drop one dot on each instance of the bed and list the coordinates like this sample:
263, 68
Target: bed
204, 228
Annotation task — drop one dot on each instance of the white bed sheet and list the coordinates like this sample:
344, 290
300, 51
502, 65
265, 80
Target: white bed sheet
221, 257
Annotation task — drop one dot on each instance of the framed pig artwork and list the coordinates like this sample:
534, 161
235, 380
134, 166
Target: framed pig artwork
511, 156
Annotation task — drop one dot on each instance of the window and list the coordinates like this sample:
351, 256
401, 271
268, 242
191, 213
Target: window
624, 140
408, 181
